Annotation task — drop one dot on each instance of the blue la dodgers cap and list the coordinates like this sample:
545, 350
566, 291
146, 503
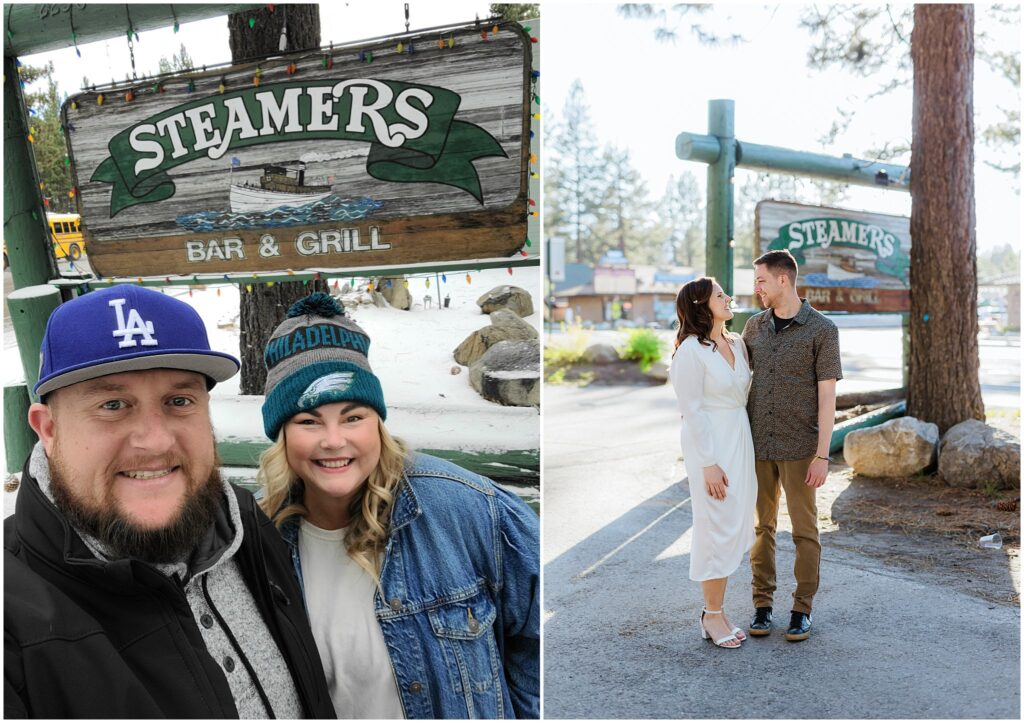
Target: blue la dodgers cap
126, 328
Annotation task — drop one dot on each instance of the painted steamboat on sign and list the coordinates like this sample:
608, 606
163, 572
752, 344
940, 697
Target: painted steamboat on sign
278, 187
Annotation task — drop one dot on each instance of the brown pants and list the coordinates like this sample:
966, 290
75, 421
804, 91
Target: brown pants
803, 511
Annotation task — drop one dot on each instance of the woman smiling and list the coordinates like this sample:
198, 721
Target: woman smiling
421, 579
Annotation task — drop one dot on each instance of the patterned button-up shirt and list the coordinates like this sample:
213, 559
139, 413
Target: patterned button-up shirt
787, 366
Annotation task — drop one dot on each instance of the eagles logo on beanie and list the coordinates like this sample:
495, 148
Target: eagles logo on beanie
317, 356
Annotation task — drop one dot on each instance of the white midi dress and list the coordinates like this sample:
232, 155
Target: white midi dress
712, 401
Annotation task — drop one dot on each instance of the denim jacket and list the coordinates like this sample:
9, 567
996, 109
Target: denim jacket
460, 612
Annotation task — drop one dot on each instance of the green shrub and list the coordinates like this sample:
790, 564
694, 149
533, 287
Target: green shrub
557, 376
644, 346
576, 341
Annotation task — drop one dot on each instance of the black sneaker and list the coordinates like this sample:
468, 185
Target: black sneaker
799, 626
762, 622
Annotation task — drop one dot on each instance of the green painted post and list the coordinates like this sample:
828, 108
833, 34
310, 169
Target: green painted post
739, 319
871, 419
29, 309
772, 159
18, 436
844, 169
26, 238
720, 193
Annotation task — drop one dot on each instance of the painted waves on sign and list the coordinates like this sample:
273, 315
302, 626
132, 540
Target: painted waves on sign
324, 210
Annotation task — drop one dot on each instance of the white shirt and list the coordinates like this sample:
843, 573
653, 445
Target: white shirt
339, 597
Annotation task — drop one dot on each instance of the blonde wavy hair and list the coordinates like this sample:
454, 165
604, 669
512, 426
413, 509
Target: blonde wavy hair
371, 509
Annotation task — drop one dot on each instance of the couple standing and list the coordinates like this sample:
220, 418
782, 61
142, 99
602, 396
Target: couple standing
744, 449
375, 583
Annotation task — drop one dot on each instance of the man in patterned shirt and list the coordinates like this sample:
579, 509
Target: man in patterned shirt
794, 355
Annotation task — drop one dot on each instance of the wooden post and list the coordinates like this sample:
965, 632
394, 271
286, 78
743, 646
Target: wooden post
720, 194
723, 154
18, 436
871, 419
30, 308
27, 238
740, 318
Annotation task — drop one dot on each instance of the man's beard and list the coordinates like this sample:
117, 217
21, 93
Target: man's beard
174, 542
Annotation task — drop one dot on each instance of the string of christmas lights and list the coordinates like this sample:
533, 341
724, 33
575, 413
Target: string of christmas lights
157, 85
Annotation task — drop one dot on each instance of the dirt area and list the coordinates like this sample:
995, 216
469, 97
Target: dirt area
920, 524
917, 524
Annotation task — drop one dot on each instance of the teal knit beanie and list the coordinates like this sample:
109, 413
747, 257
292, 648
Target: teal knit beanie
317, 356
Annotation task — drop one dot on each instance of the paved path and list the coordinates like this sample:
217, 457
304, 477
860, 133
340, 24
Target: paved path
621, 635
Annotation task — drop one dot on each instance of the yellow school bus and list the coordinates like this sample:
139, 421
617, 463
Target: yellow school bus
66, 235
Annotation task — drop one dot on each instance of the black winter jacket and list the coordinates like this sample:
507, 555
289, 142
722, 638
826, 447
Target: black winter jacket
91, 639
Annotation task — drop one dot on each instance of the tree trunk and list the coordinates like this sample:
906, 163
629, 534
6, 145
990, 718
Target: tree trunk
263, 308
264, 37
943, 386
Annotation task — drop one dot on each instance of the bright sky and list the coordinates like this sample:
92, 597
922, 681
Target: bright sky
207, 40
643, 93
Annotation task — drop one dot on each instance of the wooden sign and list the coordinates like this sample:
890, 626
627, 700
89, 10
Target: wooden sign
411, 151
849, 260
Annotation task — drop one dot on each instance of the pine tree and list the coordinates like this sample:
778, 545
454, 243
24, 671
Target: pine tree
48, 143
263, 308
625, 215
944, 385
572, 158
683, 217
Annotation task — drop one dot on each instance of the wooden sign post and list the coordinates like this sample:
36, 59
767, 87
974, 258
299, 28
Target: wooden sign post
373, 155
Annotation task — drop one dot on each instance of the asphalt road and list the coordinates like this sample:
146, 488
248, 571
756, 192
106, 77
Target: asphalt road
620, 633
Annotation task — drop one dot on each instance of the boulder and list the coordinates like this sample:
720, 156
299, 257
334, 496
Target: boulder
396, 295
357, 297
504, 326
506, 297
509, 373
600, 354
897, 448
973, 454
658, 372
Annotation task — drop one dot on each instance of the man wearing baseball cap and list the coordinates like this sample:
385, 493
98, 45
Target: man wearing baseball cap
137, 584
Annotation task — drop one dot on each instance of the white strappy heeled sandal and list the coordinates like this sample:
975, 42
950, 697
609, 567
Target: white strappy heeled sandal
722, 640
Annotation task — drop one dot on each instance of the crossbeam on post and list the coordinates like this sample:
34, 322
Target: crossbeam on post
723, 154
756, 157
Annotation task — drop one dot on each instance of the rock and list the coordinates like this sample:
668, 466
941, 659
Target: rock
601, 354
509, 373
506, 297
658, 372
897, 448
505, 326
357, 297
396, 295
973, 454
456, 370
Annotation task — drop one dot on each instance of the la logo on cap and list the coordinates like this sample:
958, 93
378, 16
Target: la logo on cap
135, 325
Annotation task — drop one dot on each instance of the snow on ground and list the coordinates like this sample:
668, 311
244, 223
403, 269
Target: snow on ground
411, 352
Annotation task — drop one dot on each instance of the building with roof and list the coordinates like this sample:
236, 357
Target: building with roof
640, 294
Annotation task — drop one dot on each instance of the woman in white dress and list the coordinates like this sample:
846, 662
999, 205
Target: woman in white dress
711, 376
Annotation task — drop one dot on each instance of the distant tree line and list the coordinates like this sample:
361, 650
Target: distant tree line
596, 200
